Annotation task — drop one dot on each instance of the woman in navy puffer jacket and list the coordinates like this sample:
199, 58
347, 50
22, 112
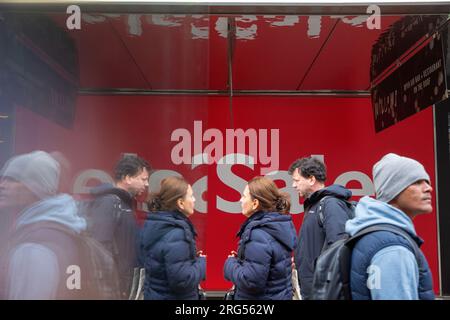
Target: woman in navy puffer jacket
173, 267
262, 267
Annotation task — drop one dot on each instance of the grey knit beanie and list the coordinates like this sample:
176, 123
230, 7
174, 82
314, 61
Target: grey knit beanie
394, 173
37, 170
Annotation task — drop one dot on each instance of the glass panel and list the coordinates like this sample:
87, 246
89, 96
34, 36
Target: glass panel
159, 86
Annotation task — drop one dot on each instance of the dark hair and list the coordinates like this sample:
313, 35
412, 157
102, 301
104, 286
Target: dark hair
130, 165
172, 189
269, 196
309, 166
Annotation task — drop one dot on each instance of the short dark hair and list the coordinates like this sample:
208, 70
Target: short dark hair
309, 166
130, 165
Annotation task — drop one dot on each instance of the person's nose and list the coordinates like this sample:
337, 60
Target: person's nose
427, 187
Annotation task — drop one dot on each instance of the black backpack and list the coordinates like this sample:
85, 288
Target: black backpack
87, 209
99, 278
331, 280
114, 227
351, 205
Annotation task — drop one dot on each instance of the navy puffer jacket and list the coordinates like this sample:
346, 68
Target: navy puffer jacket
172, 269
262, 270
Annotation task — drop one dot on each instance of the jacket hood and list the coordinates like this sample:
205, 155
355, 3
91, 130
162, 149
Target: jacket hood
279, 226
107, 188
370, 212
335, 190
158, 224
60, 209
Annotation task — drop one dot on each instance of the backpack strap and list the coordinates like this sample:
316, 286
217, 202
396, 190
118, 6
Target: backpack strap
350, 204
119, 209
390, 228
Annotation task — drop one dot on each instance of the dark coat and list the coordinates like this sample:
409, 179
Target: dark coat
113, 223
313, 236
263, 268
172, 268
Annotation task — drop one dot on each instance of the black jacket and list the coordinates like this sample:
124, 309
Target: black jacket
113, 223
313, 235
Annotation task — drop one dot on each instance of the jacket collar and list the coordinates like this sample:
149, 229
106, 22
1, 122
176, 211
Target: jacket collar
177, 218
254, 219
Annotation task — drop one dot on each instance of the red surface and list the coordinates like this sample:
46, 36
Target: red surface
340, 129
344, 62
271, 52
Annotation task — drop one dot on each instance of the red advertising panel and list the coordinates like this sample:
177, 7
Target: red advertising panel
172, 133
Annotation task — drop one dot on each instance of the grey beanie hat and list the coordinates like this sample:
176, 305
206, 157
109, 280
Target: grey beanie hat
37, 170
394, 173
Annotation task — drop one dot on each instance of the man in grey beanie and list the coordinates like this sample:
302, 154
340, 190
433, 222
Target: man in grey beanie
388, 264
35, 262
38, 171
393, 174
25, 179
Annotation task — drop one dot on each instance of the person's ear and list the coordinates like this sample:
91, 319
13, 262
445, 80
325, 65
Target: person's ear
127, 179
255, 204
180, 204
312, 180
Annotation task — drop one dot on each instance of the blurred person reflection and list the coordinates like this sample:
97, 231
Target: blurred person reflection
38, 253
112, 220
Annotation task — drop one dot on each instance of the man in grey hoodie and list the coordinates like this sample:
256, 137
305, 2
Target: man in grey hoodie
36, 260
384, 265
